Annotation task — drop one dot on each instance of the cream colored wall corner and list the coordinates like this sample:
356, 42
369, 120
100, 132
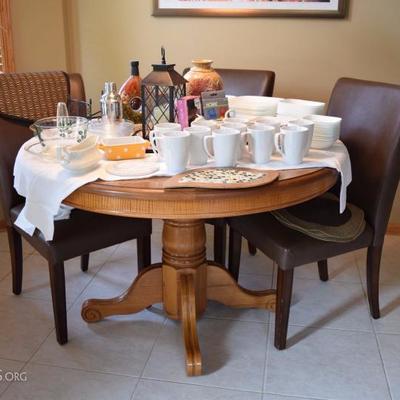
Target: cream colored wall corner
99, 37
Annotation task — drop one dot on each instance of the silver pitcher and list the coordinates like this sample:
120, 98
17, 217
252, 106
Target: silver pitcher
111, 103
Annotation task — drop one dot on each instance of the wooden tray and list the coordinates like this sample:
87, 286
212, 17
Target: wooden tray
221, 178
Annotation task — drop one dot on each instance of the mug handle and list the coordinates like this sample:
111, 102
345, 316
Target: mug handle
279, 143
206, 139
228, 114
153, 138
246, 139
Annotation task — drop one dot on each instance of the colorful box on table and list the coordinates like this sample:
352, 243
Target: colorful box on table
214, 104
188, 108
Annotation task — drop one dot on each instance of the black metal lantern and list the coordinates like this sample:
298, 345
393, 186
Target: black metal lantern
160, 90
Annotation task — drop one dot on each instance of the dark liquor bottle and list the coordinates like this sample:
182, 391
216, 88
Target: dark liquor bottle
130, 94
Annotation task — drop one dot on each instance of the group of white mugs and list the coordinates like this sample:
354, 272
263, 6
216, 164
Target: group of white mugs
227, 142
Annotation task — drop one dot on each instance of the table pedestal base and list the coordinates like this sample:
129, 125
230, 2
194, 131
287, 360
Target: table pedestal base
183, 283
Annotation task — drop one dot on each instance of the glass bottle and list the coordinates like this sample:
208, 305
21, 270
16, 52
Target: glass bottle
131, 96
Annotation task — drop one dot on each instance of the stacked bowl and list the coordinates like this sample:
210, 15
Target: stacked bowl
253, 106
326, 130
299, 108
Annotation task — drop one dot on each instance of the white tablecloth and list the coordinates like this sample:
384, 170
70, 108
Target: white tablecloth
46, 184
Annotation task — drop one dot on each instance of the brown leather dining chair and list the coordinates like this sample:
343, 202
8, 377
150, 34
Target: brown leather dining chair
24, 98
239, 82
371, 132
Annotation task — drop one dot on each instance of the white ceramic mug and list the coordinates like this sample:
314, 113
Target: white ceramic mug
201, 121
306, 123
261, 143
231, 113
291, 143
242, 128
240, 120
269, 121
197, 154
175, 147
159, 130
225, 145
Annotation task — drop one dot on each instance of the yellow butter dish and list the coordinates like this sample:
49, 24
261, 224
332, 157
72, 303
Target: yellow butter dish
124, 148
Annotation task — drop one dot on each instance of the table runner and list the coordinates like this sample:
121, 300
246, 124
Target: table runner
45, 184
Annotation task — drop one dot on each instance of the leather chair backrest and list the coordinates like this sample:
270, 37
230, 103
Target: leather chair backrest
26, 102
242, 82
371, 132
13, 133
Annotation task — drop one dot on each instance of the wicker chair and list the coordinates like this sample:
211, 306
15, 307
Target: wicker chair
23, 98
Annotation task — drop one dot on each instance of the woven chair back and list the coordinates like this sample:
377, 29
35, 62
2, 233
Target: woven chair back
33, 95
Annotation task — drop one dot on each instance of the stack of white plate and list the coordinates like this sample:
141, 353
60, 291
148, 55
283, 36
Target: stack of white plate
326, 130
299, 108
254, 106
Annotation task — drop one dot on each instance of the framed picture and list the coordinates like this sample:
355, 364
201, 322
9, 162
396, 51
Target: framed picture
251, 8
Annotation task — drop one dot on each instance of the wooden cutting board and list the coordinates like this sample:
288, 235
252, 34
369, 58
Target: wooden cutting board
221, 178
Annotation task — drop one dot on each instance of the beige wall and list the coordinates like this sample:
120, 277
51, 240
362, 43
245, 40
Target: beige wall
308, 55
38, 33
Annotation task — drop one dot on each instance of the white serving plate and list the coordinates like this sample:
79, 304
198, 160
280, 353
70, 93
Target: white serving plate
133, 169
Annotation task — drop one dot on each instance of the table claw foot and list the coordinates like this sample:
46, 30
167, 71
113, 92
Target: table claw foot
90, 313
189, 328
144, 291
223, 288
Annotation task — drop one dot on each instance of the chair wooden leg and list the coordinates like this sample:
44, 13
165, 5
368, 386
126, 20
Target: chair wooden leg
15, 246
84, 262
252, 249
57, 284
235, 250
323, 270
143, 252
220, 244
373, 265
283, 299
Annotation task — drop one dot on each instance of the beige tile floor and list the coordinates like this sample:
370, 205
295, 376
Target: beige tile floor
336, 352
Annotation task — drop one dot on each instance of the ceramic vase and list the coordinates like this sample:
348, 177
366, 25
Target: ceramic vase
202, 78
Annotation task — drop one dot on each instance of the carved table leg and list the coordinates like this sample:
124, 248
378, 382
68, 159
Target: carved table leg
185, 281
223, 288
189, 330
145, 291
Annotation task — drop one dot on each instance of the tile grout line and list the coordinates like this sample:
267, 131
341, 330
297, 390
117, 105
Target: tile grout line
202, 386
375, 333
148, 358
91, 280
52, 330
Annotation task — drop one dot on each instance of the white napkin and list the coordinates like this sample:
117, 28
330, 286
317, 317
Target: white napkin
336, 157
44, 185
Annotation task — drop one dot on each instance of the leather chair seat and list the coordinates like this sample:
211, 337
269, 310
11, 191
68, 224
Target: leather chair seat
290, 248
83, 230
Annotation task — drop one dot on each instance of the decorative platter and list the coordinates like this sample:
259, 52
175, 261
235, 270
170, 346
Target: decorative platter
221, 178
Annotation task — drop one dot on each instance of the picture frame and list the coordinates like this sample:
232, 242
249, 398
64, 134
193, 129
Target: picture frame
251, 8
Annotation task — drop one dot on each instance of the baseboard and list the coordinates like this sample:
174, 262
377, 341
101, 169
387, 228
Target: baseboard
393, 229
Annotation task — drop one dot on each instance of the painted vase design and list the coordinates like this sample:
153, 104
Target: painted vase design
202, 78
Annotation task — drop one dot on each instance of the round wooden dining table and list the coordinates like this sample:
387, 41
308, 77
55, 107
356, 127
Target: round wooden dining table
185, 280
